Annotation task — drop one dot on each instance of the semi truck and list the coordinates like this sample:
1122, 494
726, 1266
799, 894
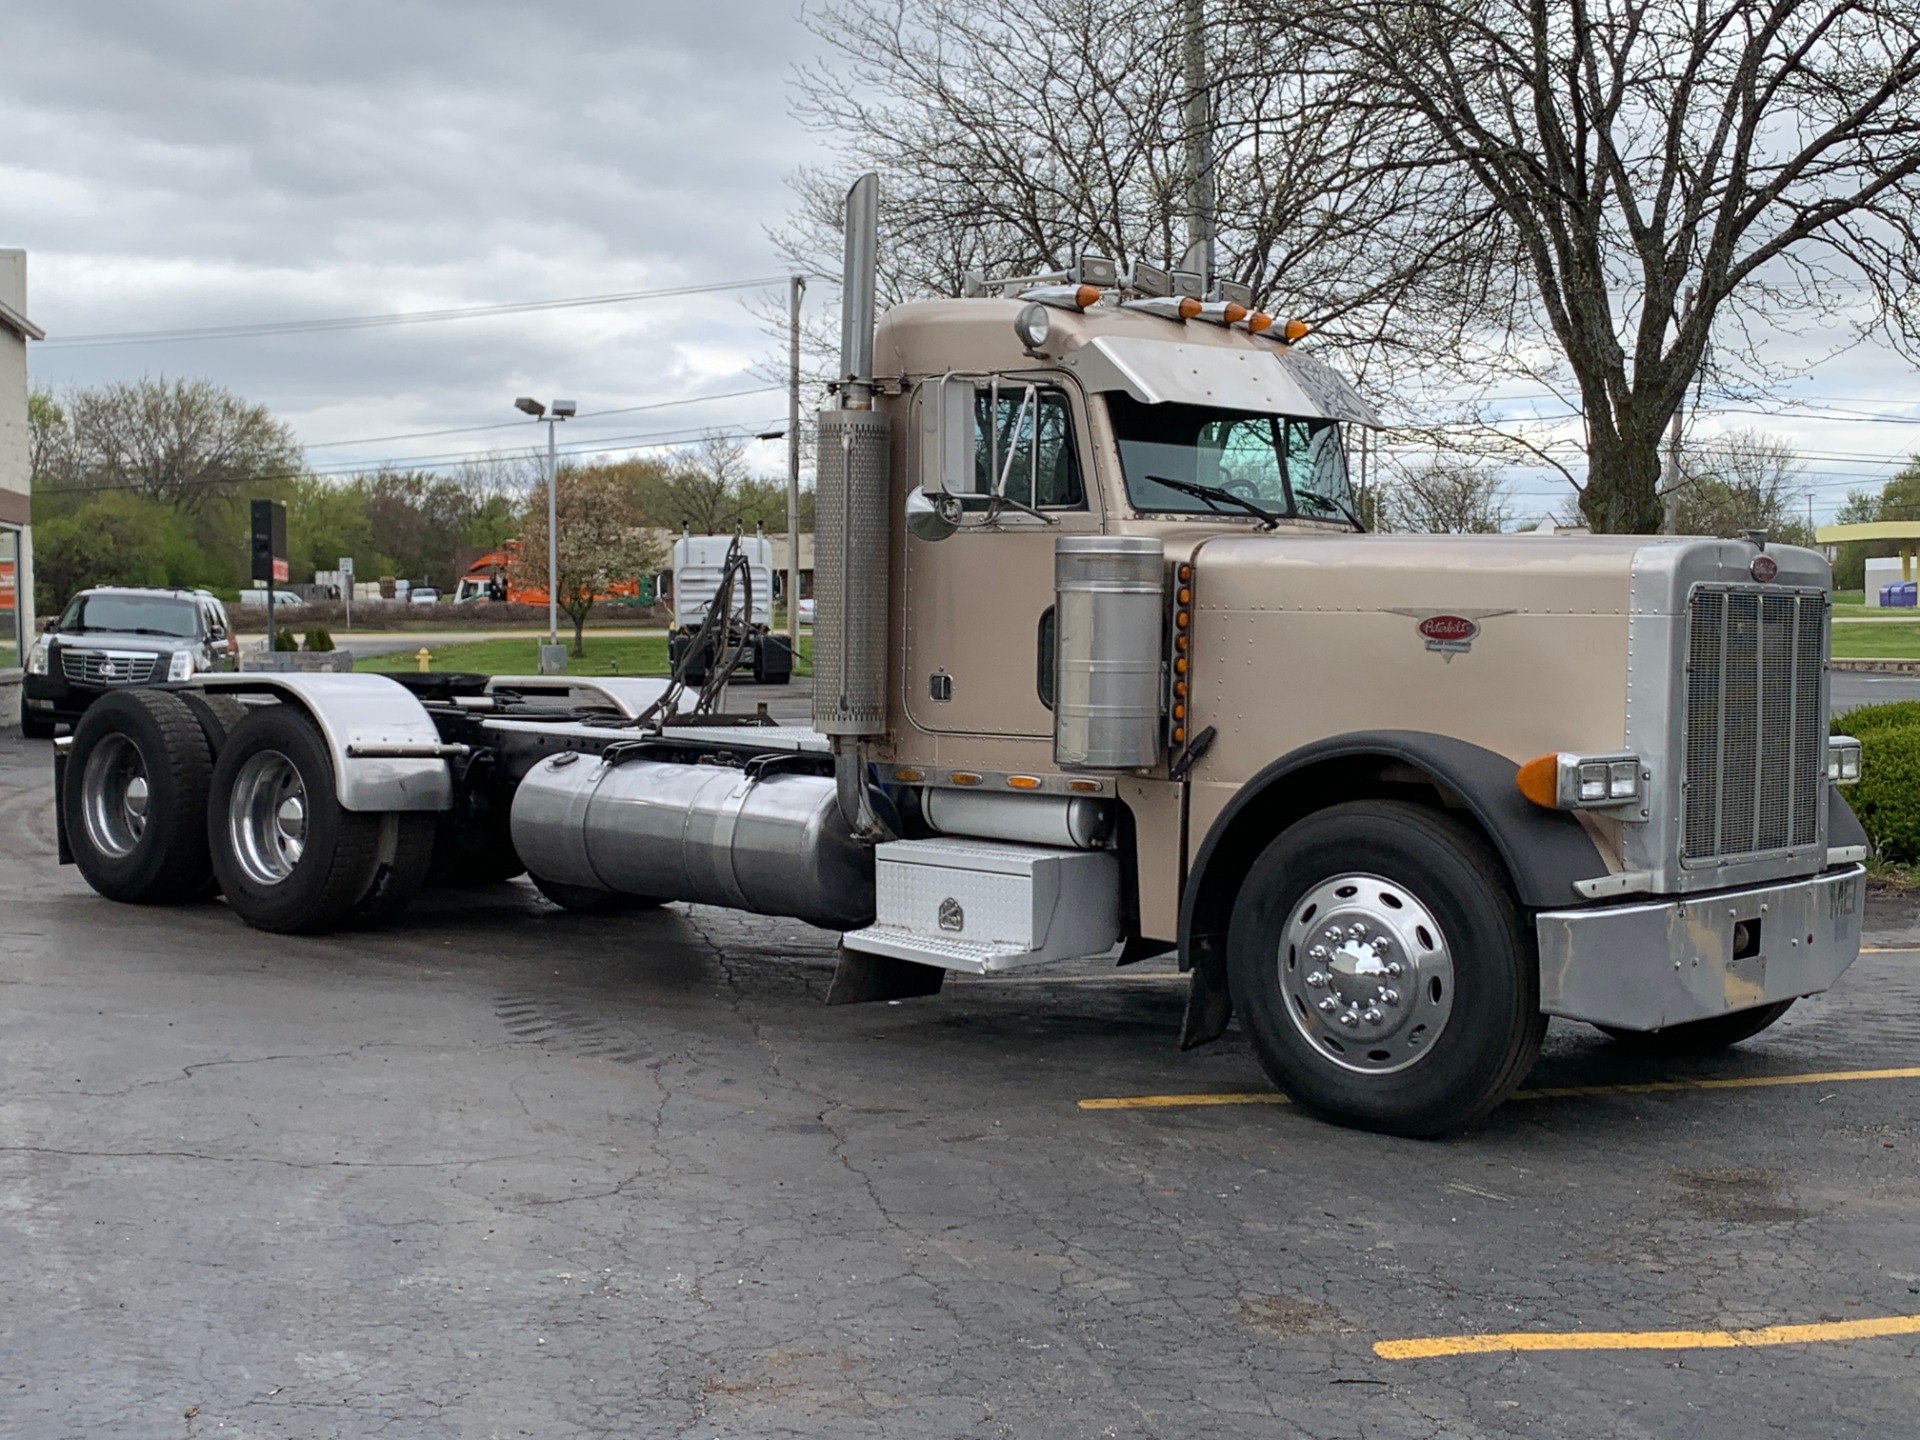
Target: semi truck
1105, 667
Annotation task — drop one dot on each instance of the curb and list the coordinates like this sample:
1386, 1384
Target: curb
1876, 667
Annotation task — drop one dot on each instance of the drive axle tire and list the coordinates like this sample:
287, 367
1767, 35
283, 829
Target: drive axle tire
288, 858
402, 858
1384, 971
1698, 1037
134, 801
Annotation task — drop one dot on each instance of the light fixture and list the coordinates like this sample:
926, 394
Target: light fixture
1031, 325
1566, 781
565, 409
530, 405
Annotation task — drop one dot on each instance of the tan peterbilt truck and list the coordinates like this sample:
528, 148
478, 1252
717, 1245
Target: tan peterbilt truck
1103, 668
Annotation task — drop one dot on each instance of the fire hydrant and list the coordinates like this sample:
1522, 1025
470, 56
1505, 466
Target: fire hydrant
425, 657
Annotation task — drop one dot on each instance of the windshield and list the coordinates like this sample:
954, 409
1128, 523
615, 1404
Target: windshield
1290, 467
130, 614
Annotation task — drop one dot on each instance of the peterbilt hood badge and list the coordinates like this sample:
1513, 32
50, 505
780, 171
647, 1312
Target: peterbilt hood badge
1447, 632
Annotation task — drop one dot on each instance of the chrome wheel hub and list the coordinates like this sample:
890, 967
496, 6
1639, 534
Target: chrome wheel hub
267, 818
114, 796
1366, 972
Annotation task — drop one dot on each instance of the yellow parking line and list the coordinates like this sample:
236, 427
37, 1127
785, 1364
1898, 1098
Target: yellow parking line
1433, 1346
1553, 1092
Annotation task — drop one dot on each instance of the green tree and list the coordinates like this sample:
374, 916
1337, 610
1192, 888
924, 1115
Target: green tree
1898, 499
113, 539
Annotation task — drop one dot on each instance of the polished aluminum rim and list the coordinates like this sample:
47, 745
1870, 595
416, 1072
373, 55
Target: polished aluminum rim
114, 796
1367, 974
267, 817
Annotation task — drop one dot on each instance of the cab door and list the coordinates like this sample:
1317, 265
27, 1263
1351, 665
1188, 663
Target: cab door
1008, 453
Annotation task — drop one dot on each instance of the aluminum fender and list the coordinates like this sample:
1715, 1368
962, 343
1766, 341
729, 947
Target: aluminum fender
1544, 851
353, 712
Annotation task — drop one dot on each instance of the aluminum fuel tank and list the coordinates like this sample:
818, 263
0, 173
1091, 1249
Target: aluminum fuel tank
775, 845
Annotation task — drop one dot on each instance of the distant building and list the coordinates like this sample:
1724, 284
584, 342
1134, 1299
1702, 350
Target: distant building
16, 480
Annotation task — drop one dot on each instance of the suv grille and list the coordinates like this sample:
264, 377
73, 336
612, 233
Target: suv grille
108, 667
1756, 737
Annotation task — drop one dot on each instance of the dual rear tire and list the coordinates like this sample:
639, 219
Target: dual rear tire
169, 796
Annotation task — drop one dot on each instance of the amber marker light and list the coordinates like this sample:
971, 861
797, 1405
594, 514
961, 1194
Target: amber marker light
1295, 330
1259, 322
909, 777
1023, 782
1185, 572
1539, 781
964, 777
1086, 295
1084, 787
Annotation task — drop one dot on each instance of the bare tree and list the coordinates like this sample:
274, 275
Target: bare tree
1447, 497
1006, 166
1675, 181
1745, 480
185, 442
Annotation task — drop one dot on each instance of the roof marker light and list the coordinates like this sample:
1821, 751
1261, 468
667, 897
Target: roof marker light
1168, 307
1296, 330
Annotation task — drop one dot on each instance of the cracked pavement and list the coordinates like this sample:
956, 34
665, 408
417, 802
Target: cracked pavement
504, 1171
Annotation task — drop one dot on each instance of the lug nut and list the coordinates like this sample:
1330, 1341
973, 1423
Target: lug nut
1394, 967
1389, 997
1372, 1016
1349, 1019
1329, 1005
1317, 979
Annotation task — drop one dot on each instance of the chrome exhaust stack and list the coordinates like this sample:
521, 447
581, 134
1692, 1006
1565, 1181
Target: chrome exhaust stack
852, 533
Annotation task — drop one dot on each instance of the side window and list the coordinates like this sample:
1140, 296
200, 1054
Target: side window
1026, 434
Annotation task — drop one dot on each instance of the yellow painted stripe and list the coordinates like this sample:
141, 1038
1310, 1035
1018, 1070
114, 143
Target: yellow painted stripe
1554, 1092
1430, 1347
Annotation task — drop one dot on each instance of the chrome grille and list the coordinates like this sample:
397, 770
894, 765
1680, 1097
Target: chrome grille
108, 667
1755, 732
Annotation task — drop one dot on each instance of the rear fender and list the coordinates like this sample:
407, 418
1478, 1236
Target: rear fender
1544, 851
387, 753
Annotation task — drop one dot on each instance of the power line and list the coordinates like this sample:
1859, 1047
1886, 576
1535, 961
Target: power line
394, 317
519, 424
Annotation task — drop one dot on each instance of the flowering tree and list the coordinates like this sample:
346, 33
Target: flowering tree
602, 543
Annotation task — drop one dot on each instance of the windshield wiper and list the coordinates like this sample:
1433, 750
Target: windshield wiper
1327, 502
1211, 493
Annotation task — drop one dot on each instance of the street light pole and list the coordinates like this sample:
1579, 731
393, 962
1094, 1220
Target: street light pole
551, 415
796, 290
553, 537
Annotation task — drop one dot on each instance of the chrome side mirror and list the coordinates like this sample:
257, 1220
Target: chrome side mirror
931, 518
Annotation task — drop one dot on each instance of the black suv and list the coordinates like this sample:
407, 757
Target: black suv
115, 636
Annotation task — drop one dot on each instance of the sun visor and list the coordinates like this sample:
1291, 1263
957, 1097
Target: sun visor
1161, 372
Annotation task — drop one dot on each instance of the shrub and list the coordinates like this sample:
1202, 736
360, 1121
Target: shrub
285, 639
1897, 715
318, 640
1887, 799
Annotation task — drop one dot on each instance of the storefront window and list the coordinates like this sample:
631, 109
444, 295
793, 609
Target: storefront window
10, 606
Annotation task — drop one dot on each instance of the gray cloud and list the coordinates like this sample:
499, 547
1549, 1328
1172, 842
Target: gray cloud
178, 164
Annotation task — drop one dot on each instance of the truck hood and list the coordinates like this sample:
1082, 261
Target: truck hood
121, 640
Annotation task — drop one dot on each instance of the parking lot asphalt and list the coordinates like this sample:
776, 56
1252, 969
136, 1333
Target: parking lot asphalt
505, 1171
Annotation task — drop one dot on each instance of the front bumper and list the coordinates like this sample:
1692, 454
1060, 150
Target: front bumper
1644, 967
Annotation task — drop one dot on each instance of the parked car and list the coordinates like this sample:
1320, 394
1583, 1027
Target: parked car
114, 636
282, 599
423, 595
806, 610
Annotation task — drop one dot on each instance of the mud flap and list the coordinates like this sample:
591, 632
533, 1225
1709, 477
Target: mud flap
1209, 1004
860, 978
59, 805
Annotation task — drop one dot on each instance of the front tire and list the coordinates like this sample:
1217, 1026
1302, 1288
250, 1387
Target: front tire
135, 799
1384, 971
1698, 1037
288, 858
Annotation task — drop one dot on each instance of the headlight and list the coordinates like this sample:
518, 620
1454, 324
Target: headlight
181, 666
1565, 781
37, 657
1843, 760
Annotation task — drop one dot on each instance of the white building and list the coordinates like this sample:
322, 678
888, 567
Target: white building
16, 479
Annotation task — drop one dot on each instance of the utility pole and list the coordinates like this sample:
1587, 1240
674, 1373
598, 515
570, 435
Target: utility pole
796, 289
553, 539
1199, 137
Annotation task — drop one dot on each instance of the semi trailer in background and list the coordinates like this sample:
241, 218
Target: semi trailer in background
1105, 667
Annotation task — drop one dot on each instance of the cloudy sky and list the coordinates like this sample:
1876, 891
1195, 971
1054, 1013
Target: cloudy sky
179, 164
171, 164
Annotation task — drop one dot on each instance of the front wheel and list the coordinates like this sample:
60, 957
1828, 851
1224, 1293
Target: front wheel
1384, 971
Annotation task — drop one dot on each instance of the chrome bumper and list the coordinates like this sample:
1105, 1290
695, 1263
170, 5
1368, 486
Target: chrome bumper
1643, 967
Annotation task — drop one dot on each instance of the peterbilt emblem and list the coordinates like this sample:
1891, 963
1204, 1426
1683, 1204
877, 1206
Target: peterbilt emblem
1763, 569
1449, 632
952, 917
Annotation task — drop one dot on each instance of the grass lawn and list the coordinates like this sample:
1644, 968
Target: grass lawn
1877, 642
606, 655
